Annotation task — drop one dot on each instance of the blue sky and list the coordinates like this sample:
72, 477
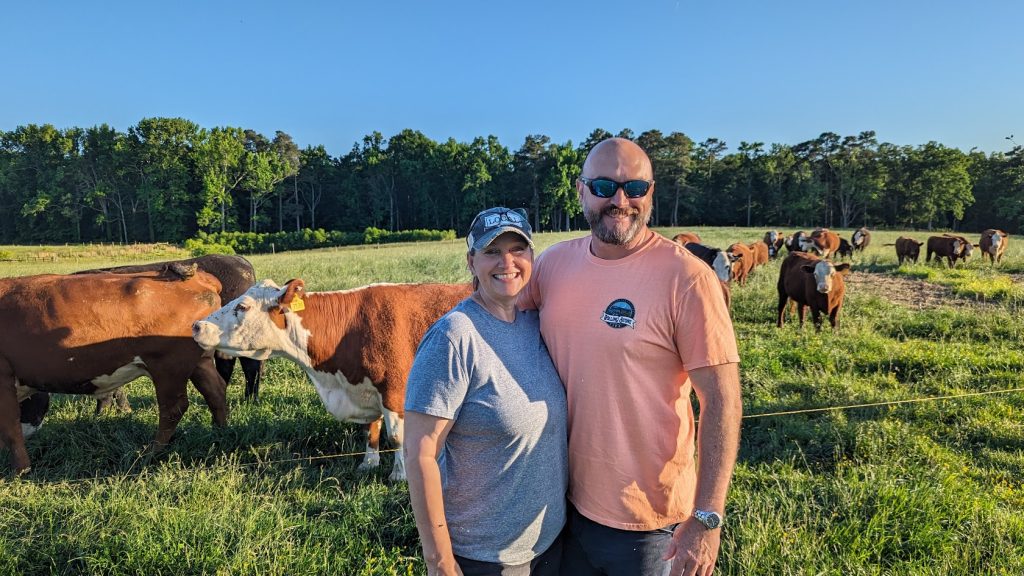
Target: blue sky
330, 72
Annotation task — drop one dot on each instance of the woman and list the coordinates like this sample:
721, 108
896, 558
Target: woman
485, 416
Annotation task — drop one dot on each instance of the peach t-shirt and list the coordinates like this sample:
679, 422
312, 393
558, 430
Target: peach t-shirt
623, 334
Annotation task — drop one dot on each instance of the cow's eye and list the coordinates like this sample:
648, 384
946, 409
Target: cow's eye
240, 308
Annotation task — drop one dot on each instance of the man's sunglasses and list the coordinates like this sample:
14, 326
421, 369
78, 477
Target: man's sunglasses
606, 188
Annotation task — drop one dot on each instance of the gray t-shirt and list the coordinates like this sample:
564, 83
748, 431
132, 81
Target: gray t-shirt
503, 465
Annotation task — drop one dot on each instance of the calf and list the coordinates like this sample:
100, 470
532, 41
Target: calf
742, 259
236, 275
861, 239
92, 333
356, 346
760, 251
810, 281
824, 242
907, 249
993, 244
775, 241
685, 237
949, 247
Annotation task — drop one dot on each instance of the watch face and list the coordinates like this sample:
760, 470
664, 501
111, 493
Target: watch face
710, 520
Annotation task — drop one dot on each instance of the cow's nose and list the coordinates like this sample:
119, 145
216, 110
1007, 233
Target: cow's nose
196, 327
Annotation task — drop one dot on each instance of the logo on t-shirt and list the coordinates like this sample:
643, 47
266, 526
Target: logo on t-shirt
619, 314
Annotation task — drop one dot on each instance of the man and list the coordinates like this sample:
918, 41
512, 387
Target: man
633, 322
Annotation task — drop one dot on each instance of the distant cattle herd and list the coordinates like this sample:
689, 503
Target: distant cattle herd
92, 332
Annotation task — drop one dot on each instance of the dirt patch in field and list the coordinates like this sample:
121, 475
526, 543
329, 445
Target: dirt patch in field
908, 292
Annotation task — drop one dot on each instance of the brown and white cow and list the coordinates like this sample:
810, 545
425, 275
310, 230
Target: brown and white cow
798, 241
760, 251
356, 346
92, 333
993, 244
907, 249
823, 241
861, 239
236, 275
742, 258
775, 242
947, 246
684, 238
811, 281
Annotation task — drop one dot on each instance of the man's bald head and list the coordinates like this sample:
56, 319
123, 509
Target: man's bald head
620, 156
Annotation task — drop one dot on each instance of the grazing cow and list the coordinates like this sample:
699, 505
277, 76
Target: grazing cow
952, 248
993, 244
775, 241
742, 259
907, 249
357, 346
861, 239
718, 260
759, 249
92, 333
823, 241
685, 237
810, 281
236, 276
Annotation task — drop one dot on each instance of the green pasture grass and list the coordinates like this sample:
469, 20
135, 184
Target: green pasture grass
927, 487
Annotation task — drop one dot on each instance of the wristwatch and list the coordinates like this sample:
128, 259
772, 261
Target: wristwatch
710, 520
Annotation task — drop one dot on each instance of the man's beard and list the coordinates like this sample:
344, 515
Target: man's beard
617, 237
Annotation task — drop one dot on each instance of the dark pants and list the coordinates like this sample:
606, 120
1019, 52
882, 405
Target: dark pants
592, 549
544, 565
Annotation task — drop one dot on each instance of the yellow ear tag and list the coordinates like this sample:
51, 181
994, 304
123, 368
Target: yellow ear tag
297, 305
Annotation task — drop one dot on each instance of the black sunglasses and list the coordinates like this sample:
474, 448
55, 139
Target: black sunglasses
606, 187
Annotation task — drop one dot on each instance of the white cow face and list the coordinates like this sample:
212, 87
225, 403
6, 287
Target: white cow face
258, 324
722, 266
824, 273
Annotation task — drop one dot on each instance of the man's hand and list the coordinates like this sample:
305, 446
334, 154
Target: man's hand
693, 549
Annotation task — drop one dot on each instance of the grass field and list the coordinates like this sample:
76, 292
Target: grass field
927, 487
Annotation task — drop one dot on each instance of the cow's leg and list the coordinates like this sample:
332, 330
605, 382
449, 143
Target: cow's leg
10, 425
171, 400
253, 370
207, 379
372, 458
800, 311
782, 308
833, 318
33, 410
816, 316
394, 423
225, 366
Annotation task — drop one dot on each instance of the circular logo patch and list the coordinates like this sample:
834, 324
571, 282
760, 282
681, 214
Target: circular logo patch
620, 314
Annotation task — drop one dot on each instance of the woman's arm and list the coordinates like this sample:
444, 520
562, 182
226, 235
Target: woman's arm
424, 437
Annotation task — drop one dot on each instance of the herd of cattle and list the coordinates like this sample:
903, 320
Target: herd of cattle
92, 332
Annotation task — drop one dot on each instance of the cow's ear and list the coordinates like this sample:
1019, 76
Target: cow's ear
292, 289
809, 268
843, 268
976, 245
919, 244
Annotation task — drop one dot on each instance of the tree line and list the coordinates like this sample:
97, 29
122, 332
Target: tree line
166, 179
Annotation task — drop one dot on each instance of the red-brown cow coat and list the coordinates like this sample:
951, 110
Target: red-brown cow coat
356, 346
62, 333
683, 238
993, 244
760, 252
743, 261
952, 248
826, 242
797, 283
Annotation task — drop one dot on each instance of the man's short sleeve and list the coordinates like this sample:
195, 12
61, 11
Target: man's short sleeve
704, 333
